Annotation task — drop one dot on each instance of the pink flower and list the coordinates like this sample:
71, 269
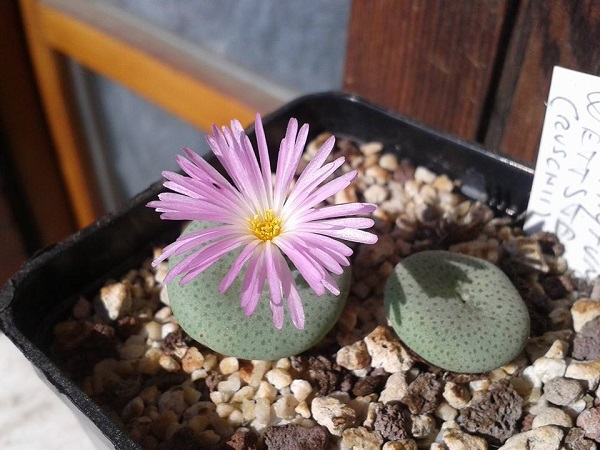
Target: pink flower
271, 219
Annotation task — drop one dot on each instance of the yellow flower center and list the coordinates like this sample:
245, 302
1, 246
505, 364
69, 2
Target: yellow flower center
265, 226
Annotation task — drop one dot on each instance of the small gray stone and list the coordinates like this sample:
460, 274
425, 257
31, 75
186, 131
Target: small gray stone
586, 345
575, 440
552, 416
562, 391
543, 438
589, 420
360, 437
455, 439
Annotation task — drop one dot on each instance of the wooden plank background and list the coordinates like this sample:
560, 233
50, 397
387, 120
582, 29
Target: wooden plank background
479, 69
431, 60
560, 32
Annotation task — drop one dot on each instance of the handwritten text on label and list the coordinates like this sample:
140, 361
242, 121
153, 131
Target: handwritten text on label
565, 196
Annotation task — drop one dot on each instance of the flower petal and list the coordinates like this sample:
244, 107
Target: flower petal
287, 162
263, 154
344, 209
274, 280
347, 234
253, 283
188, 241
290, 291
235, 269
297, 199
200, 260
304, 264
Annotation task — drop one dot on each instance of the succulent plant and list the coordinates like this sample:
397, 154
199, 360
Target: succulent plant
218, 321
457, 312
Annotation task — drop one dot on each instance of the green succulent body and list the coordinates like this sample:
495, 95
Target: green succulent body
217, 319
457, 312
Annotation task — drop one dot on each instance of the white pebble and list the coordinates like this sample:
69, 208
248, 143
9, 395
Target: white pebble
199, 374
279, 378
168, 328
164, 295
248, 410
558, 350
588, 371
192, 360
218, 397
446, 412
375, 194
154, 330
548, 368
303, 409
332, 414
284, 407
244, 393
424, 175
354, 356
479, 385
236, 418
114, 301
259, 368
232, 384
388, 161
395, 388
578, 406
262, 411
224, 409
386, 351
456, 395
371, 148
283, 363
301, 389
583, 311
168, 363
229, 365
163, 314
266, 390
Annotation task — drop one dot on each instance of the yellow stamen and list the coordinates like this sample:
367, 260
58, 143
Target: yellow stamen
265, 226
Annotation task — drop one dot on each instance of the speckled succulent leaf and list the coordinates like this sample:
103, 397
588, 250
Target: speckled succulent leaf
458, 312
217, 320
265, 221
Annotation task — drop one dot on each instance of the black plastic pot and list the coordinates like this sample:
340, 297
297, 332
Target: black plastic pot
43, 291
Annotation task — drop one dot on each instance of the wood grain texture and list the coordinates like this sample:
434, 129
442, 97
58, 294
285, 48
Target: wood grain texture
560, 32
26, 136
432, 60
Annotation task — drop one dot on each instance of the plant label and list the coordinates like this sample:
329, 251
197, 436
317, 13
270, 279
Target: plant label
565, 196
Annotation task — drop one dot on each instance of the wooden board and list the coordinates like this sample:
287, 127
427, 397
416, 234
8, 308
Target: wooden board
432, 60
560, 32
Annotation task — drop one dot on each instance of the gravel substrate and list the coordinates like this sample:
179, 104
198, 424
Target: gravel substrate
360, 388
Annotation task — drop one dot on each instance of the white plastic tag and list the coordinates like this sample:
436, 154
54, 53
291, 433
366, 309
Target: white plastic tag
565, 197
